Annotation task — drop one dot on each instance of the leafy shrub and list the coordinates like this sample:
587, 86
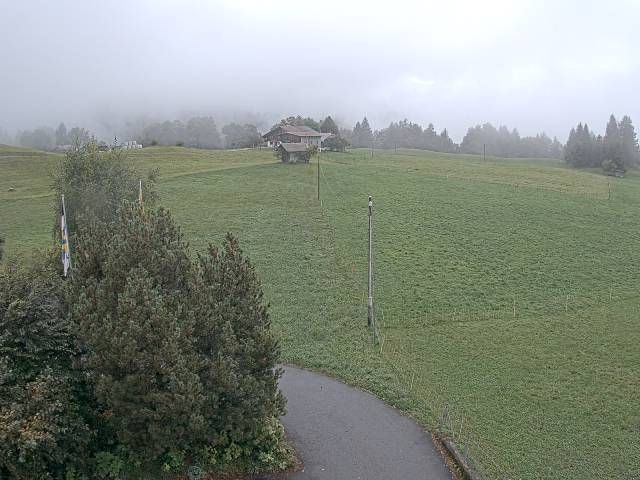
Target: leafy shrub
267, 452
335, 143
95, 183
44, 420
613, 167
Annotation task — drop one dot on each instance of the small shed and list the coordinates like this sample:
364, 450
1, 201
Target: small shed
293, 152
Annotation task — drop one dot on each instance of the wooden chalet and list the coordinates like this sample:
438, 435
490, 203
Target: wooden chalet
293, 134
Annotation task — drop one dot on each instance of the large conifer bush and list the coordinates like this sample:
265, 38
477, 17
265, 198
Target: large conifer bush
180, 352
237, 354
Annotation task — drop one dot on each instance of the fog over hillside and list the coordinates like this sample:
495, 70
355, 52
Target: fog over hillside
534, 65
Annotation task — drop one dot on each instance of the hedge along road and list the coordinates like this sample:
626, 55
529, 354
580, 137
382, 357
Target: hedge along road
344, 433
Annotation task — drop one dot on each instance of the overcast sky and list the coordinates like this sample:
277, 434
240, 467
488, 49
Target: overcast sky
534, 65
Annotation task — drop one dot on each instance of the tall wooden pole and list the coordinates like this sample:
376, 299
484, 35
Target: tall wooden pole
318, 175
484, 152
370, 282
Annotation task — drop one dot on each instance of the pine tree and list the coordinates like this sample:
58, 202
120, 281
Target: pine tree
612, 144
446, 144
356, 135
181, 354
629, 140
570, 149
130, 279
329, 126
556, 148
367, 134
237, 357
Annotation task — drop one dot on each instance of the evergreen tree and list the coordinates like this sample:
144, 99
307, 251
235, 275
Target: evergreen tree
237, 356
430, 138
629, 140
612, 144
130, 280
367, 134
571, 149
181, 354
556, 148
356, 135
329, 126
446, 144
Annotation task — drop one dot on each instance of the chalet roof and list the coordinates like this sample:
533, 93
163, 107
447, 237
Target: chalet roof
297, 130
294, 147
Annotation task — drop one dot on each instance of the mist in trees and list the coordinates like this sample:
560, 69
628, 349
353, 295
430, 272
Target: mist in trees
197, 132
616, 152
45, 138
502, 142
362, 136
41, 138
5, 137
241, 136
407, 134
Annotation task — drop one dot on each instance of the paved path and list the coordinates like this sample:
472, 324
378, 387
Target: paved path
343, 433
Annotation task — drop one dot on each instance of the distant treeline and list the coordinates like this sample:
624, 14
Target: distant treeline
403, 134
480, 139
197, 132
504, 143
614, 153
200, 132
45, 138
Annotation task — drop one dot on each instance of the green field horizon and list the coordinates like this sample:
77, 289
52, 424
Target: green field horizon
506, 290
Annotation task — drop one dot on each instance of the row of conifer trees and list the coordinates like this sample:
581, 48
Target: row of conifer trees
616, 151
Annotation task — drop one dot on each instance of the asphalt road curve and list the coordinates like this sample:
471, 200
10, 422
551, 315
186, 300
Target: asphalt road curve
343, 433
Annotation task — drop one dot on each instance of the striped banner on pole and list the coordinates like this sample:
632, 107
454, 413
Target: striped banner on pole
64, 241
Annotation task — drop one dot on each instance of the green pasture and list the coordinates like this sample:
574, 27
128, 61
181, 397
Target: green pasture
506, 291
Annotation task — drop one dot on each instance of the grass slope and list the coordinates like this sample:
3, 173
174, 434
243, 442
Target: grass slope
506, 291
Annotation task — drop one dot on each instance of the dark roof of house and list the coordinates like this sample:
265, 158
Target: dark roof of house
294, 147
297, 130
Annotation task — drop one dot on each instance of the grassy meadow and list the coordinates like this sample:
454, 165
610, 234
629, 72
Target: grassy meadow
506, 291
